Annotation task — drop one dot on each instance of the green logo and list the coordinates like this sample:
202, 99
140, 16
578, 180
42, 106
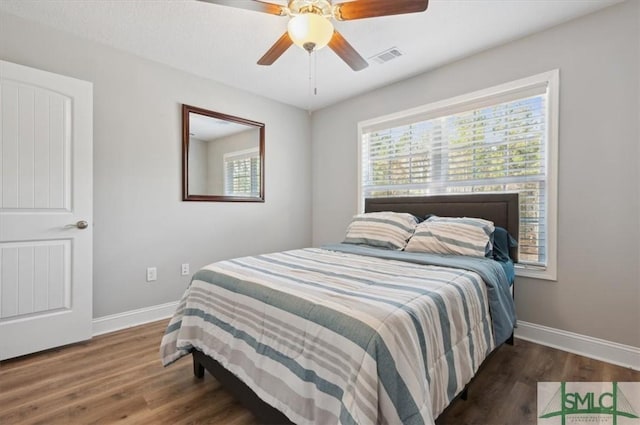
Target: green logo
582, 403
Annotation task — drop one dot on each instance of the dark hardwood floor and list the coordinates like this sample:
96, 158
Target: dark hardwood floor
118, 378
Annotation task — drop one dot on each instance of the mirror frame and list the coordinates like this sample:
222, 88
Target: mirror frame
186, 110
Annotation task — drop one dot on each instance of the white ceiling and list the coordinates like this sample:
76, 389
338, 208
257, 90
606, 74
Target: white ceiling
224, 43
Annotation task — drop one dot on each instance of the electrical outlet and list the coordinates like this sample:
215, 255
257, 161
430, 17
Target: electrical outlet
152, 274
185, 269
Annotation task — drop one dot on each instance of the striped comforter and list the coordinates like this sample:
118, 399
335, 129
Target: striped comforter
332, 337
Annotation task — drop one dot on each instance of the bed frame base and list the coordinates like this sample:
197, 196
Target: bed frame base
264, 412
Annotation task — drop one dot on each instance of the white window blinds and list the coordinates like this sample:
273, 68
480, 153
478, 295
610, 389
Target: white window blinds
242, 173
497, 143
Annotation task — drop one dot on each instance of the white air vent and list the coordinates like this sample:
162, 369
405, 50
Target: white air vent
386, 55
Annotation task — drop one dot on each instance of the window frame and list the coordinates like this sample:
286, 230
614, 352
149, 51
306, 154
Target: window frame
444, 107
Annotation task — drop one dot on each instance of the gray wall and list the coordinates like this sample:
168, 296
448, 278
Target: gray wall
139, 217
597, 292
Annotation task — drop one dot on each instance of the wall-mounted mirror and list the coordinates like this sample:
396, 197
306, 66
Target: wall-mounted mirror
222, 157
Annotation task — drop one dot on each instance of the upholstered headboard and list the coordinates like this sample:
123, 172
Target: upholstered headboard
501, 208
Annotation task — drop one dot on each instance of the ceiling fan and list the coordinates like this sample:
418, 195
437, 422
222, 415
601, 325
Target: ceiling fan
310, 26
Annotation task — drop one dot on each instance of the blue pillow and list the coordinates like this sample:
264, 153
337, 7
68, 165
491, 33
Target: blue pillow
502, 242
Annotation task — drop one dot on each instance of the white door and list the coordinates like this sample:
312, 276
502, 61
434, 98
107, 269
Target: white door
46, 160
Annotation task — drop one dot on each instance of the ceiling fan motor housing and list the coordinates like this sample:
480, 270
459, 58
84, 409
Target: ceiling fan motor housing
319, 7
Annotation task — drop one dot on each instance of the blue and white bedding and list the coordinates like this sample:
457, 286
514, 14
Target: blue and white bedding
346, 334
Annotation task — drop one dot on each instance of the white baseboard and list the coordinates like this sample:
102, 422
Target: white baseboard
115, 322
595, 348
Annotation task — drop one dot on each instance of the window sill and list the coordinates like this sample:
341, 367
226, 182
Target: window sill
543, 273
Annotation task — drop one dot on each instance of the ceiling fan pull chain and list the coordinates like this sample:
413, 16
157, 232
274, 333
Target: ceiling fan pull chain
315, 73
310, 86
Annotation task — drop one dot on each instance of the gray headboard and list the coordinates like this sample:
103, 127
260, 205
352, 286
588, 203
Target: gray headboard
501, 208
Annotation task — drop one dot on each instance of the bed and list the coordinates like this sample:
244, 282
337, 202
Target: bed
351, 334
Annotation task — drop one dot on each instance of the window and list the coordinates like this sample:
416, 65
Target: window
503, 139
242, 173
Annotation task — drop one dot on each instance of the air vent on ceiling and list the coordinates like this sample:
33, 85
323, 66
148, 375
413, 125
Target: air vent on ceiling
386, 55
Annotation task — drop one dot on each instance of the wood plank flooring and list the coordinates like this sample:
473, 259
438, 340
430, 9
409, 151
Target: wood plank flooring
118, 378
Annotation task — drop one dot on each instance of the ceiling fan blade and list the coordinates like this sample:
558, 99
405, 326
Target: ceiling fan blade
255, 5
373, 8
276, 50
346, 52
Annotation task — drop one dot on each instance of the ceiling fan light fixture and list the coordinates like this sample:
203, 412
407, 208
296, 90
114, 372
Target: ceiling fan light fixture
310, 31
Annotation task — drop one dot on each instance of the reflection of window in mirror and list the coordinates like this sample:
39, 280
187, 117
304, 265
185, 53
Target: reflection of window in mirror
242, 173
207, 157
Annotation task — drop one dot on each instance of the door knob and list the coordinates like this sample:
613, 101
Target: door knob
82, 224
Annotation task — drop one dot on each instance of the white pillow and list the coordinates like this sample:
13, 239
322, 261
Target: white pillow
452, 235
381, 229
